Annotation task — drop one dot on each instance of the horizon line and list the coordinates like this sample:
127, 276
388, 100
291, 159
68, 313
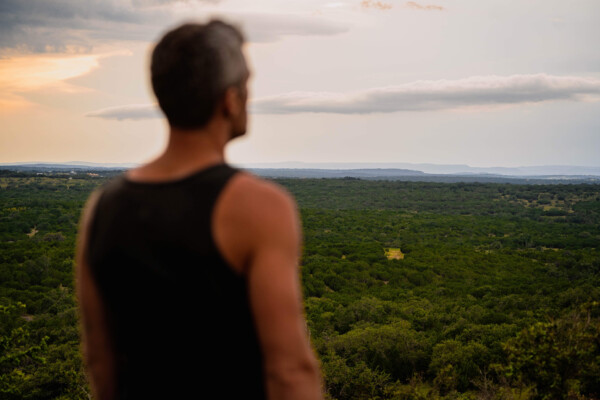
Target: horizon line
76, 162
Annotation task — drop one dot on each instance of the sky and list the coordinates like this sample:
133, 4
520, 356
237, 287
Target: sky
484, 83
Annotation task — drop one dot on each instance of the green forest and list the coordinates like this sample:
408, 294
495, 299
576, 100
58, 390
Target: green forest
413, 290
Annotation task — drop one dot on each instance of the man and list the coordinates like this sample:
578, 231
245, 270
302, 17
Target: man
186, 267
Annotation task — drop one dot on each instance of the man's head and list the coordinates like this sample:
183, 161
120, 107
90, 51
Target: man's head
198, 70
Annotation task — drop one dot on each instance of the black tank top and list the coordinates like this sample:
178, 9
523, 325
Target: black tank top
179, 314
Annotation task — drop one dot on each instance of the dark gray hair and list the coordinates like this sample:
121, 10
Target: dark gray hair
192, 66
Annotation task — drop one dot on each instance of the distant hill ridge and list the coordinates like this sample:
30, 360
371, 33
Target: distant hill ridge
65, 166
391, 171
335, 173
456, 169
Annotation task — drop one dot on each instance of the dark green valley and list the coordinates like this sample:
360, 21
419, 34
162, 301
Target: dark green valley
413, 290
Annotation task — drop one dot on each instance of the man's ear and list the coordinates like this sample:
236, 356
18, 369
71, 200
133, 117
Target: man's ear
232, 103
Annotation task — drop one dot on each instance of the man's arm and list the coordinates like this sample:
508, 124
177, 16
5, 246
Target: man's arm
96, 343
292, 371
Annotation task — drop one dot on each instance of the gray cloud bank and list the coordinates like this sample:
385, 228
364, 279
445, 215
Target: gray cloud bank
478, 91
131, 111
41, 25
59, 25
435, 95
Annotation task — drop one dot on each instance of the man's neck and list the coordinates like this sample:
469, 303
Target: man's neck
187, 151
193, 146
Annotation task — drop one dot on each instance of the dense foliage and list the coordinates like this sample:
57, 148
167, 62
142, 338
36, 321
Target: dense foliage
39, 338
413, 290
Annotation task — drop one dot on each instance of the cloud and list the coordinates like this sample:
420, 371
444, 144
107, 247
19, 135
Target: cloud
151, 3
28, 73
76, 26
416, 6
478, 91
475, 91
131, 111
270, 27
375, 4
43, 26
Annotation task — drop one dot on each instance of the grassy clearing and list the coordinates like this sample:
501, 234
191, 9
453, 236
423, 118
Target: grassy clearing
394, 254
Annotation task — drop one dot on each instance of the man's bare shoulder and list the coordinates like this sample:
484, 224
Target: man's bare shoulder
265, 208
259, 197
254, 214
